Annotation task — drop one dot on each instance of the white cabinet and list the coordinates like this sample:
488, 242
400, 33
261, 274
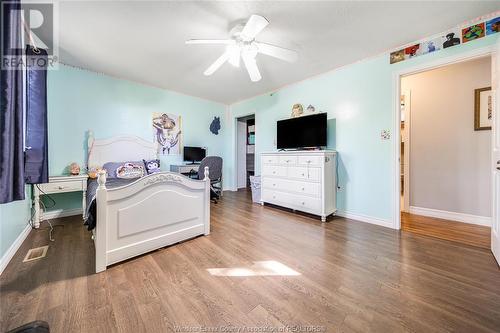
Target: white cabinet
300, 180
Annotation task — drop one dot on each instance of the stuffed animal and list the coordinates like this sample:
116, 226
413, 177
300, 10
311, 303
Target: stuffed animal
297, 110
152, 166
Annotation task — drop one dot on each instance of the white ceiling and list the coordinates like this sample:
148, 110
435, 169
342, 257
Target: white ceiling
144, 41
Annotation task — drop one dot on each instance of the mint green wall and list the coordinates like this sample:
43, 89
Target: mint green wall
14, 217
79, 100
359, 98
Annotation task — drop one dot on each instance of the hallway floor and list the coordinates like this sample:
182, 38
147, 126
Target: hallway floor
464, 233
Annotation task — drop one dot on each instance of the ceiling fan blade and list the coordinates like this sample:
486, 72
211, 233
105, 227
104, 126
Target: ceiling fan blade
254, 25
252, 68
234, 55
219, 62
210, 41
277, 52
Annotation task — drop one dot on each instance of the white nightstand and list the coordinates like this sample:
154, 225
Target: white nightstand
58, 184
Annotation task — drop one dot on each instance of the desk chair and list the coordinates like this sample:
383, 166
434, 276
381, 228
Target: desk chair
214, 164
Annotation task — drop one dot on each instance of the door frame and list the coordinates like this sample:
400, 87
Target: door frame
407, 146
396, 114
234, 143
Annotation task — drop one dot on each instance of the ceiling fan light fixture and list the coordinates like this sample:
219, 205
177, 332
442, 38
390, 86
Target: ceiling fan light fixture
242, 46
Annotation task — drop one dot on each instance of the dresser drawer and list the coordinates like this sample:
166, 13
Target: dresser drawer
277, 197
269, 159
62, 187
274, 170
287, 159
307, 203
306, 173
310, 160
312, 189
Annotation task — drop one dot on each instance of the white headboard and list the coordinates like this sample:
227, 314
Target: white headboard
118, 149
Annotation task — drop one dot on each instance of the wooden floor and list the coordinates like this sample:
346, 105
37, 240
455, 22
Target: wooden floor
464, 233
352, 277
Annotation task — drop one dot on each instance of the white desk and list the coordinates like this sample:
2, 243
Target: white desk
185, 169
58, 184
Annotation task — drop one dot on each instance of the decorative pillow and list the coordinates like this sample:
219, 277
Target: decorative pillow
127, 170
152, 166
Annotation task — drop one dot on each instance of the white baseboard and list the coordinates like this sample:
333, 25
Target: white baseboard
366, 219
53, 214
6, 258
443, 214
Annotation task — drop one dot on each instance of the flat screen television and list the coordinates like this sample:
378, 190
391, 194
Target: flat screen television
302, 132
194, 154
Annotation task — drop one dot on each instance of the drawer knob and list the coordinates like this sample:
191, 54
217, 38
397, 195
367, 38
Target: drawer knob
303, 189
274, 197
303, 203
274, 172
274, 184
60, 187
303, 174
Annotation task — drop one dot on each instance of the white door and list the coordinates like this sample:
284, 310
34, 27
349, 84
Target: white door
495, 221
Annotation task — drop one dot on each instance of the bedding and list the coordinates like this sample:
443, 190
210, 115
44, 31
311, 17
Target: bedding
126, 170
90, 213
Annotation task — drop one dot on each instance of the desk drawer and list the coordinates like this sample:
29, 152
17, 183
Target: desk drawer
62, 187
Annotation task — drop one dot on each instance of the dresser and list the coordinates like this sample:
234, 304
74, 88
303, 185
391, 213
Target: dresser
58, 184
300, 180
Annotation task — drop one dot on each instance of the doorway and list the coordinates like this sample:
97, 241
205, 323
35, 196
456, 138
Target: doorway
245, 150
445, 157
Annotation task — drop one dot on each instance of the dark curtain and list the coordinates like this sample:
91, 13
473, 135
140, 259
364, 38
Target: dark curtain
11, 116
36, 158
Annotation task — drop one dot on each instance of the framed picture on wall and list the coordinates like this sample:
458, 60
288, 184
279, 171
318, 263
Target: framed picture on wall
483, 107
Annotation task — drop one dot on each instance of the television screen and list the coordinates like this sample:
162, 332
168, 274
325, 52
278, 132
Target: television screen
302, 132
194, 154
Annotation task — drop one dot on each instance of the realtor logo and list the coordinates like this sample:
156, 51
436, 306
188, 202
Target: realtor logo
35, 24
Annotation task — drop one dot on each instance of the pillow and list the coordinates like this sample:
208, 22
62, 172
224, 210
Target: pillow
126, 170
152, 166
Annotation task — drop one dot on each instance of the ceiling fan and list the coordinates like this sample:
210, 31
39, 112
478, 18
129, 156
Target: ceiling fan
242, 45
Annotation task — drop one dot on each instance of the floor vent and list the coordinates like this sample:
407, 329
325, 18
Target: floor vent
36, 253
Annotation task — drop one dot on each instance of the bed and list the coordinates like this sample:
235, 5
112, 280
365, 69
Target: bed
148, 213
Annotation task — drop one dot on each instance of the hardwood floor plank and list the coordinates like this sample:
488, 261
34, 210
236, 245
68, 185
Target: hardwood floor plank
352, 277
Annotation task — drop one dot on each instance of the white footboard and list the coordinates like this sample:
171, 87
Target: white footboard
155, 211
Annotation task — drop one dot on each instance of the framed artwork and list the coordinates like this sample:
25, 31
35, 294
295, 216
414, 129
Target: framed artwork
483, 108
452, 38
473, 32
431, 46
167, 133
493, 26
397, 56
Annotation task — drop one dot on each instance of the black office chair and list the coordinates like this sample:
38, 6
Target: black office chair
214, 164
37, 326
